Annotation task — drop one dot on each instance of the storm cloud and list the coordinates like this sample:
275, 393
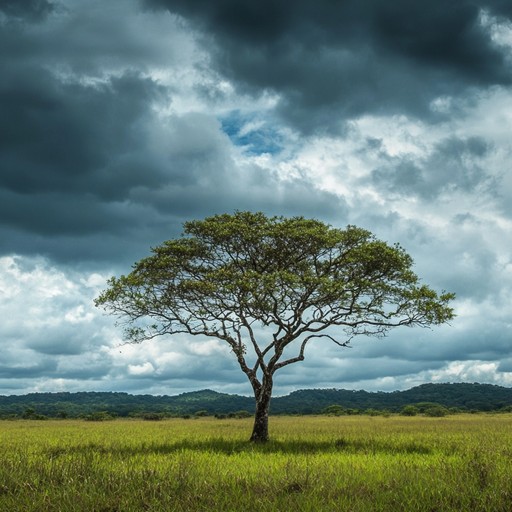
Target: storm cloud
120, 120
333, 61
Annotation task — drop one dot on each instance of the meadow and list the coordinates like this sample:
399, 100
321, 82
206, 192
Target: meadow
350, 463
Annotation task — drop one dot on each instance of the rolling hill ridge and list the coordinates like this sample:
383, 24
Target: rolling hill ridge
463, 396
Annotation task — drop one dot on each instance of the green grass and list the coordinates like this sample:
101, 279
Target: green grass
457, 463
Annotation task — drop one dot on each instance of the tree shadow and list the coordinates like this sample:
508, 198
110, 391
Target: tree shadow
230, 447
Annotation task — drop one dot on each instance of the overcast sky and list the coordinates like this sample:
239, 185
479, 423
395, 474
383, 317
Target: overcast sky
120, 120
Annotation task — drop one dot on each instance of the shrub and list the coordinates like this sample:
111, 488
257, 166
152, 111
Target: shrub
153, 416
409, 410
436, 411
238, 414
31, 414
334, 410
99, 416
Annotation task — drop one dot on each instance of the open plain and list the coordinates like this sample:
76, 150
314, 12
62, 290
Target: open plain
312, 463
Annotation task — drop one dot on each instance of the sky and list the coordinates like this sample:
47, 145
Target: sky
121, 120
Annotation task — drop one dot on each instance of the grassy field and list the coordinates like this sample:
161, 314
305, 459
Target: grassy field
457, 463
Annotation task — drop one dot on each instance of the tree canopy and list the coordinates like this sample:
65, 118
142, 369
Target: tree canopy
268, 286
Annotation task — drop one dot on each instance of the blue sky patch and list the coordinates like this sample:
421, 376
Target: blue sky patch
252, 133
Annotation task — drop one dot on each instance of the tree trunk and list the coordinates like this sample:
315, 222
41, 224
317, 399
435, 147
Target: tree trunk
263, 396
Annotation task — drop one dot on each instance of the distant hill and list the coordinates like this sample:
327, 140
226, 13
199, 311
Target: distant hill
479, 397
469, 397
72, 405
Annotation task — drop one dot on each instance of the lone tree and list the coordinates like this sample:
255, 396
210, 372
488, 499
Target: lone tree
268, 287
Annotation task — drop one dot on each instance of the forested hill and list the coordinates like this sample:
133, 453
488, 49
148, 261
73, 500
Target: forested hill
470, 397
466, 397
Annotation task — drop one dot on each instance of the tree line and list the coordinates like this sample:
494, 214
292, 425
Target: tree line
463, 397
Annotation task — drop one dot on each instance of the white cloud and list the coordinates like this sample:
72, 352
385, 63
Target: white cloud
49, 321
141, 369
500, 30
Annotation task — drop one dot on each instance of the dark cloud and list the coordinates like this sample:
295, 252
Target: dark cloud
331, 61
63, 137
87, 171
81, 373
339, 369
60, 368
90, 39
70, 155
28, 370
29, 10
66, 340
90, 168
463, 341
505, 366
